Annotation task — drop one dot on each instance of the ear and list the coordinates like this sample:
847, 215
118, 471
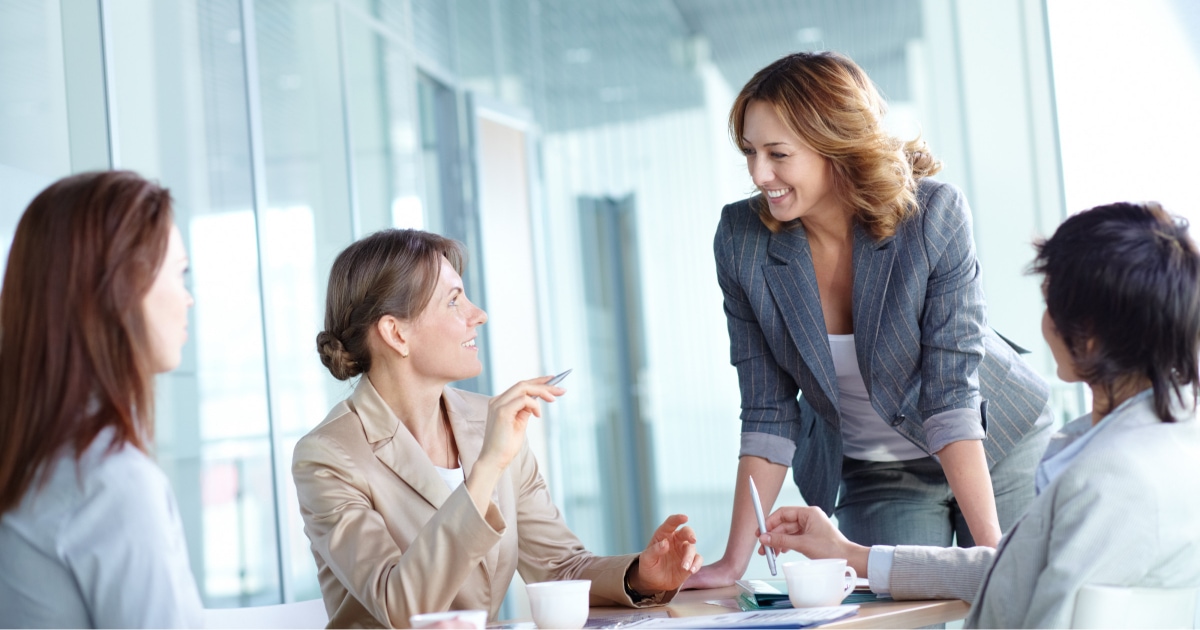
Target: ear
393, 332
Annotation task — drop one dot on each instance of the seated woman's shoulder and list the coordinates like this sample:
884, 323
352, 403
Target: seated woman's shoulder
471, 403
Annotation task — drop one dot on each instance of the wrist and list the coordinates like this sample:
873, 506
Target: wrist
633, 582
858, 556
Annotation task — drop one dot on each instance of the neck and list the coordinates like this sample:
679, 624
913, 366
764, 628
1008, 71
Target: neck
418, 405
1105, 398
833, 226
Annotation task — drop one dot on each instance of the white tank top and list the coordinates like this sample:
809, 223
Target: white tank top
452, 476
865, 435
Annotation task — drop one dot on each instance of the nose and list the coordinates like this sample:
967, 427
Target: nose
480, 317
760, 170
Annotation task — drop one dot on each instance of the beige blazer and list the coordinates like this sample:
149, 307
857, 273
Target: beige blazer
1124, 513
391, 540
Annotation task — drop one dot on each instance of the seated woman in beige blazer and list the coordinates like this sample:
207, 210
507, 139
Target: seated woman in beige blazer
1116, 500
418, 497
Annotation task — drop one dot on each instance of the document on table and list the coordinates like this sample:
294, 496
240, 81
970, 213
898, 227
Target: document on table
793, 618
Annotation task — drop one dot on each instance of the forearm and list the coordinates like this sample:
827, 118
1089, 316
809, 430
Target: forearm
768, 478
482, 483
966, 471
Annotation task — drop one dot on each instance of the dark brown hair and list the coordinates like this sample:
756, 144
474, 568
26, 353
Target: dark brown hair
74, 350
390, 272
831, 104
1122, 285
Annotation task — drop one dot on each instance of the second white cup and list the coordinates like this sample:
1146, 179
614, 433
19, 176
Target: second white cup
813, 583
561, 604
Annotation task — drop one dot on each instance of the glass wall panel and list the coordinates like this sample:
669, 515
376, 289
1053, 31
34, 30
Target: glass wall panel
305, 223
181, 117
33, 108
384, 126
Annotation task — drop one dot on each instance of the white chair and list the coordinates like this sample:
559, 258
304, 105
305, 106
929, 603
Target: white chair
301, 615
1128, 607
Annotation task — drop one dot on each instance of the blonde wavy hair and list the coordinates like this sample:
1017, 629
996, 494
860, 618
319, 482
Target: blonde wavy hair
831, 104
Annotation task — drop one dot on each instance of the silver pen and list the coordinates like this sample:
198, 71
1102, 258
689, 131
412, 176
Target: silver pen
762, 524
558, 379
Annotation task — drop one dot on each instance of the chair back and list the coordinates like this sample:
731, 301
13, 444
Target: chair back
1134, 607
297, 615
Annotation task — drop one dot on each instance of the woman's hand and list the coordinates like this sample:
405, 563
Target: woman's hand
668, 560
809, 531
716, 575
508, 416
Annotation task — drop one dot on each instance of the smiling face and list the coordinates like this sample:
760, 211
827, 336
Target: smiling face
441, 340
796, 181
165, 307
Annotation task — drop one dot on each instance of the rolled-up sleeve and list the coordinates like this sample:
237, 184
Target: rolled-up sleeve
770, 413
952, 324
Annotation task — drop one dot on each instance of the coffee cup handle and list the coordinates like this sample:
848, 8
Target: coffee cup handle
851, 580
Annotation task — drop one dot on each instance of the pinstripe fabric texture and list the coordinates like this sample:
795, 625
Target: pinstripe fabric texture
1124, 513
923, 345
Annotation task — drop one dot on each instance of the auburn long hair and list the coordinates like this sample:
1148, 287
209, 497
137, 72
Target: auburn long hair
831, 104
74, 349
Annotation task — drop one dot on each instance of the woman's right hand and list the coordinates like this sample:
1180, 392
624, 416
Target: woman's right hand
508, 416
809, 531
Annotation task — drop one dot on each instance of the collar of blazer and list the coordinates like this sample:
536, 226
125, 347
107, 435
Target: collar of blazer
793, 285
396, 447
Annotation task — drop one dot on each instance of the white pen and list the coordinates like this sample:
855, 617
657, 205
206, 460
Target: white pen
762, 524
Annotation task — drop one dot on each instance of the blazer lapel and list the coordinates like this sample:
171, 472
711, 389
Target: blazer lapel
793, 284
395, 447
872, 269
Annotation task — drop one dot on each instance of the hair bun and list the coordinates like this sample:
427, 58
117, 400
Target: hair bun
335, 358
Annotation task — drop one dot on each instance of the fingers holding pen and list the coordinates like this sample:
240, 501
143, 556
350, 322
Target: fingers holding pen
508, 417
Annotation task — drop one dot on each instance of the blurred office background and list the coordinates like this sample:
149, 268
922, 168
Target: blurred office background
579, 148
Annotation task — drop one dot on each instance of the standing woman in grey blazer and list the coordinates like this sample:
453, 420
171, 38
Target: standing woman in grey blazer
858, 327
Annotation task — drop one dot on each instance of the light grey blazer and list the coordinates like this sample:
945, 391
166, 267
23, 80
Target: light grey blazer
932, 367
1126, 512
100, 545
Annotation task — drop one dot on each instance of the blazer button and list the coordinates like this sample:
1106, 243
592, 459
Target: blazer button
898, 419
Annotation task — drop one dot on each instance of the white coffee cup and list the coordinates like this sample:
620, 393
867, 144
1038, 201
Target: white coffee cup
561, 604
813, 583
458, 618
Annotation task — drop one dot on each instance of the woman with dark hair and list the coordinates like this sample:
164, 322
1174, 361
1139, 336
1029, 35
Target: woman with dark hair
92, 307
851, 278
418, 497
1116, 502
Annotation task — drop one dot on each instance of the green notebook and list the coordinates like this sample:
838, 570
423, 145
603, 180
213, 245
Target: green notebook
763, 594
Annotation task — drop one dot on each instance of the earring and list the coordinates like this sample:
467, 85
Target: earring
403, 355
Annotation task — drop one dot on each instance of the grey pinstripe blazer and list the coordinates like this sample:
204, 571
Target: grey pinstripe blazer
932, 366
1124, 513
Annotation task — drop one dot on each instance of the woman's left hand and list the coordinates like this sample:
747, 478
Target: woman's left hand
668, 560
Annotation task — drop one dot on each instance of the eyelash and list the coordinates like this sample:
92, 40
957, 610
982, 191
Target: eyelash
774, 156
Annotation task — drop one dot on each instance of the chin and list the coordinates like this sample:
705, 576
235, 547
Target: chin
783, 216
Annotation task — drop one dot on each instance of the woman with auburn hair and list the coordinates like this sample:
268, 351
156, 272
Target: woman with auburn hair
418, 497
858, 328
92, 307
1113, 508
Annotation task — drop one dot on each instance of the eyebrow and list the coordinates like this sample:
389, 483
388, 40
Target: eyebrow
769, 144
454, 289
